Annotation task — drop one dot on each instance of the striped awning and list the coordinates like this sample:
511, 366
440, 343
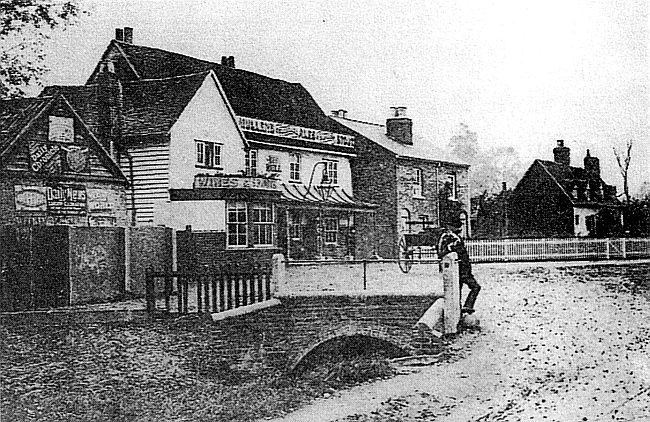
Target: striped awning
299, 195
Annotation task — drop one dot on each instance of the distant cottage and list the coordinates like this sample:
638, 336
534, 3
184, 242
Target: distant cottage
555, 199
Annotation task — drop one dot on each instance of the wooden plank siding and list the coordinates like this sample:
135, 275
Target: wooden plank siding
20, 162
150, 178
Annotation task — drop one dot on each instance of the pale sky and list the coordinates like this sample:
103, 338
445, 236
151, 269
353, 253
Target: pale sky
518, 73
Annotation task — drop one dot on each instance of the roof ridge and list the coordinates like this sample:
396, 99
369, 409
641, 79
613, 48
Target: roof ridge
359, 121
186, 76
207, 62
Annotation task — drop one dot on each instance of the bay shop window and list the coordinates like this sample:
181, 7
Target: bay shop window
252, 222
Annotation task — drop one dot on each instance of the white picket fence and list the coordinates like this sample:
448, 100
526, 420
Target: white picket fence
503, 250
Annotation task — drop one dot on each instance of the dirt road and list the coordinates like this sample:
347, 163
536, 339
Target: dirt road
556, 344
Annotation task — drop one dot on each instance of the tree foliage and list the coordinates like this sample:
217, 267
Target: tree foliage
623, 160
26, 27
490, 167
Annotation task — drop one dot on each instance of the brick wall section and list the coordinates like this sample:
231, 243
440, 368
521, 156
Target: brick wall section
374, 173
382, 178
277, 338
201, 249
435, 177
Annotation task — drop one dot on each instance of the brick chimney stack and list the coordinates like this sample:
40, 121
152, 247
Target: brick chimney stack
228, 61
399, 127
592, 166
340, 113
562, 154
124, 34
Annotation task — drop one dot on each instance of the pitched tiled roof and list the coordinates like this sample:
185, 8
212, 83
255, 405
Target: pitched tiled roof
153, 106
568, 178
419, 150
149, 106
250, 94
15, 115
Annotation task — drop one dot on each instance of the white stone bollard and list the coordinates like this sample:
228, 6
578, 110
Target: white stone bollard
451, 283
278, 274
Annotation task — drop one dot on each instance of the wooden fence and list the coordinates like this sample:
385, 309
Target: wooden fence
503, 250
210, 291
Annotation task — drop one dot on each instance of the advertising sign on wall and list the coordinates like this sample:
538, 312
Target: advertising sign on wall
30, 198
66, 199
234, 182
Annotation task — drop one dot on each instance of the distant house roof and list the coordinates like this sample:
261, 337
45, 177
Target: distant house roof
419, 150
569, 177
250, 94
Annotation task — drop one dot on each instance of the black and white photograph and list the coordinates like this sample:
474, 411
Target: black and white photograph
302, 211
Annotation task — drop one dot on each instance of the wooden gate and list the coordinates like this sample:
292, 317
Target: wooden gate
34, 267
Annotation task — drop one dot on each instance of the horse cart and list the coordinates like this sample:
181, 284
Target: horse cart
418, 247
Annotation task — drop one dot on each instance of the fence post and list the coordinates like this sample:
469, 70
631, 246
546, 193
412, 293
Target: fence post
278, 274
150, 291
365, 274
451, 283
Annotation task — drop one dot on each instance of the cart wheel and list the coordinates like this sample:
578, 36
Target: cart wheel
405, 257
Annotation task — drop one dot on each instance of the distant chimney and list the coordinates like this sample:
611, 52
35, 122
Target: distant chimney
399, 127
228, 61
119, 34
109, 97
562, 154
504, 186
128, 35
340, 113
592, 166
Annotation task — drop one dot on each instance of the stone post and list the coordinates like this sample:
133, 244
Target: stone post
451, 283
278, 274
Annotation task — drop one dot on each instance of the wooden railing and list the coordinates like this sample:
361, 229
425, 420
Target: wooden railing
210, 291
502, 250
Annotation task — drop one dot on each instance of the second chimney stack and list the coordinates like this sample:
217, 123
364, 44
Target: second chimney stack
399, 127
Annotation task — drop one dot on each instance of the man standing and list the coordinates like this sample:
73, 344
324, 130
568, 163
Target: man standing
450, 241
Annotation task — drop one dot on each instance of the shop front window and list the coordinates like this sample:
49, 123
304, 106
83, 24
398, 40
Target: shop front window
263, 225
237, 224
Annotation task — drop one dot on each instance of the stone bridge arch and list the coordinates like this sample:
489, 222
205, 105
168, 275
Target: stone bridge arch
375, 331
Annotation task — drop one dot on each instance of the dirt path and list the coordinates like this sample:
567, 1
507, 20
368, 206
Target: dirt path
566, 344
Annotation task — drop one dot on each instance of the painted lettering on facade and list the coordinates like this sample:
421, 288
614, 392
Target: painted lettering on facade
66, 200
45, 158
234, 182
294, 132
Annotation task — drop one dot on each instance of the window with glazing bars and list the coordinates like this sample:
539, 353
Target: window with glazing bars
237, 224
262, 215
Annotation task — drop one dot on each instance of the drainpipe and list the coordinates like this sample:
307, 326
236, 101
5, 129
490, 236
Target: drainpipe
437, 196
130, 158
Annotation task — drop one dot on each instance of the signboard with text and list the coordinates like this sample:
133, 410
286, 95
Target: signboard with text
284, 130
235, 182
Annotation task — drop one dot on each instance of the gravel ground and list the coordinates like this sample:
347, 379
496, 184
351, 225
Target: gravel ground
556, 344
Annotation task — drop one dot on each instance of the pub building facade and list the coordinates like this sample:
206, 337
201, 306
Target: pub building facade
53, 169
251, 163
